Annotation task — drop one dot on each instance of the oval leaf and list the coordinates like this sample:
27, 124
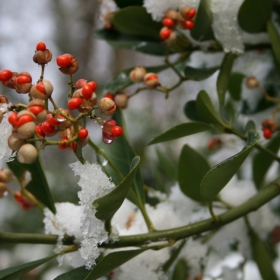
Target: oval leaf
199, 74
191, 170
108, 205
218, 176
181, 130
112, 261
75, 274
180, 271
224, 77
136, 21
122, 41
202, 30
191, 112
16, 272
38, 185
250, 126
235, 85
262, 257
254, 14
206, 110
166, 165
274, 39
262, 161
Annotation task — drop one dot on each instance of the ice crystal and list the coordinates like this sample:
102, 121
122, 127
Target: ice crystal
6, 130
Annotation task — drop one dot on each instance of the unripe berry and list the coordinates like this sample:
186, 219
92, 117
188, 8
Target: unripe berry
23, 82
37, 107
252, 82
80, 83
165, 33
151, 80
27, 154
117, 131
137, 74
171, 14
121, 100
5, 75
189, 24
110, 95
14, 142
168, 22
172, 38
184, 11
41, 46
107, 106
6, 175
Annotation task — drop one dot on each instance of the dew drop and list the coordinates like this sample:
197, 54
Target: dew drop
60, 118
104, 162
107, 141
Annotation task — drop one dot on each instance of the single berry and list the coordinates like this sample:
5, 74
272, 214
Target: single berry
107, 139
63, 61
5, 75
27, 154
13, 119
74, 103
93, 85
151, 80
41, 46
53, 121
117, 131
80, 83
48, 129
23, 79
39, 131
24, 119
267, 133
87, 92
40, 87
251, 82
83, 133
165, 33
137, 74
63, 146
36, 109
189, 24
108, 125
191, 13
168, 22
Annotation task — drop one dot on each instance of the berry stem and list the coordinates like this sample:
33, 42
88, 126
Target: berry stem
78, 151
72, 87
26, 193
214, 217
53, 103
42, 74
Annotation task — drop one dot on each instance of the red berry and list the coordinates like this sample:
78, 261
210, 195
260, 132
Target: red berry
165, 33
24, 119
267, 133
40, 87
168, 22
23, 79
39, 131
18, 196
65, 146
93, 85
107, 139
74, 103
48, 129
191, 13
189, 24
87, 91
83, 133
36, 109
63, 61
117, 131
108, 125
13, 118
80, 83
74, 145
41, 46
110, 95
53, 121
5, 75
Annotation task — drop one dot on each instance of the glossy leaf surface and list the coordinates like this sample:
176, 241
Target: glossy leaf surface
108, 205
38, 185
218, 176
254, 14
235, 85
191, 170
75, 274
262, 161
199, 74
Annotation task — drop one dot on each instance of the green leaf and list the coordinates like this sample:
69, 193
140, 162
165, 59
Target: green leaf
262, 257
191, 112
136, 43
180, 271
274, 39
122, 80
124, 3
121, 154
75, 274
167, 165
191, 170
262, 161
136, 21
224, 77
181, 130
202, 30
38, 185
112, 261
108, 205
206, 110
254, 14
235, 85
15, 272
250, 126
218, 176
199, 74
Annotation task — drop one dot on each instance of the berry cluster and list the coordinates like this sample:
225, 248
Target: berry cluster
183, 19
139, 74
36, 119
